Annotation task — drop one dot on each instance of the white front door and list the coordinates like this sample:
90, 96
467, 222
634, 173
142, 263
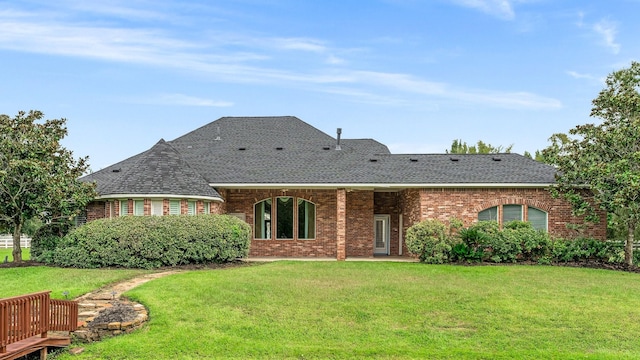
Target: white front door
381, 235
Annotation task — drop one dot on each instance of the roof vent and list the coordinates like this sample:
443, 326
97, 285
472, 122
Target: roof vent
279, 148
116, 170
496, 159
454, 159
338, 139
373, 160
326, 148
413, 160
217, 133
242, 148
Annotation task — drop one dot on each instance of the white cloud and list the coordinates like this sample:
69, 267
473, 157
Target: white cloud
181, 100
226, 57
607, 31
499, 8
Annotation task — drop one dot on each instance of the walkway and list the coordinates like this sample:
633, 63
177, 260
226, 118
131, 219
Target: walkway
110, 297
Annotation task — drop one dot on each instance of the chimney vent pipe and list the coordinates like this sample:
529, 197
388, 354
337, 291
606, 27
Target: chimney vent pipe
338, 139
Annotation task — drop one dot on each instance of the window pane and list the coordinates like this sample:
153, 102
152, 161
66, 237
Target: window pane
156, 207
174, 207
207, 208
138, 207
306, 220
537, 218
124, 207
511, 213
191, 208
262, 220
284, 218
490, 214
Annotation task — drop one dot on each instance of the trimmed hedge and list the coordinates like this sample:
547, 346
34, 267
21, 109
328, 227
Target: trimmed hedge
153, 241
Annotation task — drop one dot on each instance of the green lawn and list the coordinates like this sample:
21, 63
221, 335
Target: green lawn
336, 310
25, 280
8, 252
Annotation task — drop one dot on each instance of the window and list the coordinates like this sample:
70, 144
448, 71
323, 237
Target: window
512, 212
294, 218
191, 207
262, 220
537, 218
306, 219
157, 208
490, 214
81, 218
284, 218
174, 207
124, 207
138, 207
207, 208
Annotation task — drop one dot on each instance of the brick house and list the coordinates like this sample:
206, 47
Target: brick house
307, 194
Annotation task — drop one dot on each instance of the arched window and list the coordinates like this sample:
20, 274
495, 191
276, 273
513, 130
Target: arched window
306, 219
289, 218
513, 212
262, 220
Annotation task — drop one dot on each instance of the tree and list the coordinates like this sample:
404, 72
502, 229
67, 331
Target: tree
38, 177
537, 156
459, 147
600, 165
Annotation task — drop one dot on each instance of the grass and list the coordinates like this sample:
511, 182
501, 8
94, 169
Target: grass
335, 310
24, 280
7, 253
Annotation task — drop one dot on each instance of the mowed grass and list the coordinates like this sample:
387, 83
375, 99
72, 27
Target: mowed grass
8, 254
338, 310
75, 282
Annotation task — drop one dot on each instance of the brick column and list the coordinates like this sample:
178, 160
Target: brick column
341, 224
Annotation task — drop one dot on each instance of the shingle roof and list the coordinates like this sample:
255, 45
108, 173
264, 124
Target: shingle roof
160, 170
249, 151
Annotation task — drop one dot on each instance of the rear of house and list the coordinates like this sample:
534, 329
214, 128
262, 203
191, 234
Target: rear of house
307, 194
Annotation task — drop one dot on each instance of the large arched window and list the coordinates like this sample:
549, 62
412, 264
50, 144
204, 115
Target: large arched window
306, 219
262, 220
512, 212
290, 219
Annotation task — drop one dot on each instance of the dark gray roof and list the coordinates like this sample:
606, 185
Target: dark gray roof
246, 151
160, 170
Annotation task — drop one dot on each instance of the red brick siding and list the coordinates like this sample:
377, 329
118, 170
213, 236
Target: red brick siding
359, 239
464, 204
341, 225
97, 210
324, 245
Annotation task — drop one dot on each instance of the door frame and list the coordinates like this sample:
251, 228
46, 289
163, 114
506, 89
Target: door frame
386, 221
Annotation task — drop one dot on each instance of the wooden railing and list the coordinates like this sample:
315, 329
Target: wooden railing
33, 315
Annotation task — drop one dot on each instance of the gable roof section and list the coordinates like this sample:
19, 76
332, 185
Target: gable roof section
160, 170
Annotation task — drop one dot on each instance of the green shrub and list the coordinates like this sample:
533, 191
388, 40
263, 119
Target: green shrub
472, 246
46, 239
586, 249
154, 241
518, 241
429, 240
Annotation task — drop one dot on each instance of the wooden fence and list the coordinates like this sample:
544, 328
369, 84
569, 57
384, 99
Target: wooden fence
26, 320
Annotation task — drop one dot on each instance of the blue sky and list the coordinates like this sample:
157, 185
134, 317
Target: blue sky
412, 74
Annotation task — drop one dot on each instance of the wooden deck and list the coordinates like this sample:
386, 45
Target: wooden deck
25, 322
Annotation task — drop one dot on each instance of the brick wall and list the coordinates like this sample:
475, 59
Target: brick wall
359, 239
464, 204
324, 245
97, 210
